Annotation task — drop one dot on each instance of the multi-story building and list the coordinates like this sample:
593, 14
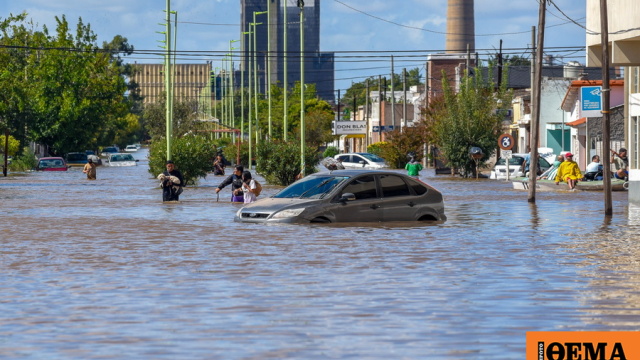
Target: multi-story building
624, 45
191, 81
318, 66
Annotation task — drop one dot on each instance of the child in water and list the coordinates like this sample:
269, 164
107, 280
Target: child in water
248, 187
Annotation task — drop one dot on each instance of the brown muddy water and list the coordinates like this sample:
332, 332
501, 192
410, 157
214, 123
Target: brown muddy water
105, 270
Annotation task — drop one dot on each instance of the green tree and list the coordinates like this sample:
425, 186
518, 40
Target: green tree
192, 154
78, 95
468, 118
14, 71
318, 115
14, 146
402, 143
280, 161
184, 118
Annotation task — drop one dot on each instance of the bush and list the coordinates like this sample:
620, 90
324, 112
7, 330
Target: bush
388, 152
331, 151
279, 162
24, 162
192, 154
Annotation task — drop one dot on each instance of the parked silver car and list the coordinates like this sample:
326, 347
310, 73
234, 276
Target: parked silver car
361, 161
349, 196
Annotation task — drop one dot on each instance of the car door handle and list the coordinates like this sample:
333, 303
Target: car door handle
411, 203
374, 206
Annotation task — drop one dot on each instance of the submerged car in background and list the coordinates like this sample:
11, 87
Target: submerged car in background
108, 151
120, 159
349, 196
361, 161
499, 170
76, 158
131, 148
51, 164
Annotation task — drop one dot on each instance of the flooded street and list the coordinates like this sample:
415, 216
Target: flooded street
104, 270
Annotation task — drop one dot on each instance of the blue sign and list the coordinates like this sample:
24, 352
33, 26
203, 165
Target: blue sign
591, 101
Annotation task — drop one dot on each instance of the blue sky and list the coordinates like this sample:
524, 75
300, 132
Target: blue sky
377, 27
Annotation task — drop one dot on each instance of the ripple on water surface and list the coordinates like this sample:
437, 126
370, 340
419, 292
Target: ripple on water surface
100, 269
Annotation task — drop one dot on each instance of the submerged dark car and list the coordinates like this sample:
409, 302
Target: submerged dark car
349, 196
76, 159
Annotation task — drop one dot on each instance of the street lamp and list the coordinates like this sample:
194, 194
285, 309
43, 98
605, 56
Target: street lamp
255, 68
231, 83
245, 63
302, 139
269, 62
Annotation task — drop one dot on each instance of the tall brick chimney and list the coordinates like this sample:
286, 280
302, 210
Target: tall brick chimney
460, 26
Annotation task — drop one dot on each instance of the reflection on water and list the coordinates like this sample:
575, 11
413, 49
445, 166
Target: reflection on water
104, 268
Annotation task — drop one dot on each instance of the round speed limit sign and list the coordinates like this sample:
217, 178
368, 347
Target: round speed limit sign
505, 142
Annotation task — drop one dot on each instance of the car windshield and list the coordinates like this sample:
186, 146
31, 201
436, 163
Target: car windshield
122, 157
515, 161
372, 157
311, 187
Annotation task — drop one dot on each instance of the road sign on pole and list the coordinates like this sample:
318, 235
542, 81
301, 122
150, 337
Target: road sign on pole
505, 142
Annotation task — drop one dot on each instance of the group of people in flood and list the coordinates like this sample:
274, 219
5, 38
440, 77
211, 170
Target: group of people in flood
244, 189
566, 170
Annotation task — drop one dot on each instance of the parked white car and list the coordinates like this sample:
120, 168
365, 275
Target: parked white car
499, 170
361, 161
120, 159
131, 148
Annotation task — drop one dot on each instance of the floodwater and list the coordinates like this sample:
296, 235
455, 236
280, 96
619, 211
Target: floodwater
104, 270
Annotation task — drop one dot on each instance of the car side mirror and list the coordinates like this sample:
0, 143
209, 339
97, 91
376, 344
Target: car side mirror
137, 160
362, 162
347, 197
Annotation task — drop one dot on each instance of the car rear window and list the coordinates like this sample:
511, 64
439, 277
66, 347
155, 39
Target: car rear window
417, 187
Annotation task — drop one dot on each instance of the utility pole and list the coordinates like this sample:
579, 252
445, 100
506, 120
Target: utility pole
606, 97
393, 97
535, 119
404, 102
367, 113
380, 108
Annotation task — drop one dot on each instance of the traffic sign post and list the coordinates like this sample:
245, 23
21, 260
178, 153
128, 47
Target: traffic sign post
506, 142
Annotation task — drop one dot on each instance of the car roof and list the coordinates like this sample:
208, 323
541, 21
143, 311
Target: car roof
51, 158
355, 172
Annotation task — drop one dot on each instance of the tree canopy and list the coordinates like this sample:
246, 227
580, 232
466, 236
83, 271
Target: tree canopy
468, 118
62, 90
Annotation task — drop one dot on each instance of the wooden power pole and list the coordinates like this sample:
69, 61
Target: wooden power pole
535, 101
606, 96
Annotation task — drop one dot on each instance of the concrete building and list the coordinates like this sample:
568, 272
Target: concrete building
191, 81
624, 45
586, 132
318, 66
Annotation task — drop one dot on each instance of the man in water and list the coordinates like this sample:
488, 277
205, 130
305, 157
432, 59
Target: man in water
621, 163
413, 168
172, 182
235, 180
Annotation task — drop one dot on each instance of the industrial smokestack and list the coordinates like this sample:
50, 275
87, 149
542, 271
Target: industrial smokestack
460, 27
